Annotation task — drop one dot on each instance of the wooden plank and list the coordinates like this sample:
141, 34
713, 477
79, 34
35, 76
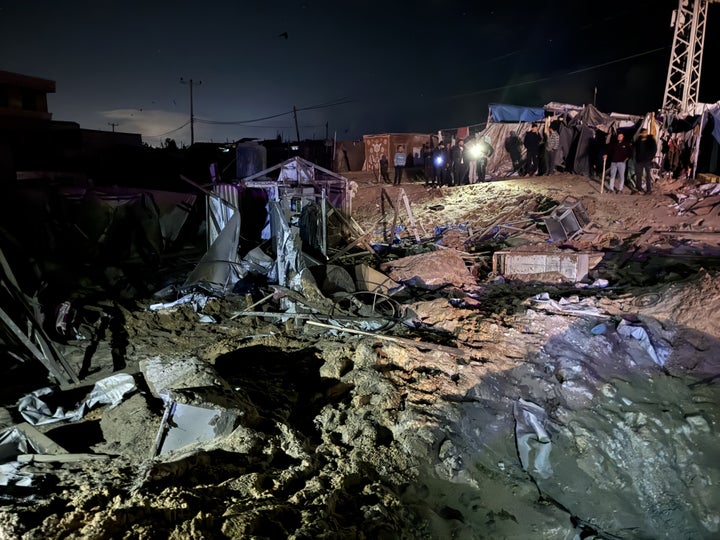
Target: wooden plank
53, 367
43, 443
403, 341
385, 197
403, 196
59, 458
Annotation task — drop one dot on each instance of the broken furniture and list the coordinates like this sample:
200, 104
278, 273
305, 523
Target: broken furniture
567, 220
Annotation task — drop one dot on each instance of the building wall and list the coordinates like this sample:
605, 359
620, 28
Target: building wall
23, 97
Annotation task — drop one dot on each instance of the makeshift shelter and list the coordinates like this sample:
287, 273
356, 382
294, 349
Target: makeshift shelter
387, 143
506, 127
290, 204
691, 141
73, 226
583, 138
583, 132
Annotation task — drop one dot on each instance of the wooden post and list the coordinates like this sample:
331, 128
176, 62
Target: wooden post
402, 197
602, 178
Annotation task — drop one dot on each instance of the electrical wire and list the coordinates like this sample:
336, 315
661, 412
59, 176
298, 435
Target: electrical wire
335, 103
544, 79
171, 131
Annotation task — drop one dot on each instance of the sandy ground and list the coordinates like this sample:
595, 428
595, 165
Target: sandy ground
498, 414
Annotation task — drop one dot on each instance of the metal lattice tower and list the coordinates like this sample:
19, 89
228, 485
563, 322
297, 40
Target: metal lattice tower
683, 81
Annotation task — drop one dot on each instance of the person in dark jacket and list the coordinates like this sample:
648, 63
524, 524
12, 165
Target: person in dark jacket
384, 165
618, 152
645, 150
427, 160
531, 142
484, 151
513, 146
459, 162
440, 158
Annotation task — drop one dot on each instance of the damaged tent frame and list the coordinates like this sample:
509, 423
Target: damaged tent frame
37, 342
297, 172
287, 196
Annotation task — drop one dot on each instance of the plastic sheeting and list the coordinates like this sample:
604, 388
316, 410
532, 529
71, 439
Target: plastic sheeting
532, 438
110, 390
514, 113
658, 355
218, 268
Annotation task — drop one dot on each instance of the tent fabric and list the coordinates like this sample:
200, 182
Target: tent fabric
500, 163
590, 116
514, 113
217, 270
580, 154
577, 141
584, 131
714, 111
556, 107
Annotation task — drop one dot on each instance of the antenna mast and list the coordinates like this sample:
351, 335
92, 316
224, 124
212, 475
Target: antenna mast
682, 87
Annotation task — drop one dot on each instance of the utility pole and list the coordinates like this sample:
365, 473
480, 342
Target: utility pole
113, 124
297, 129
190, 83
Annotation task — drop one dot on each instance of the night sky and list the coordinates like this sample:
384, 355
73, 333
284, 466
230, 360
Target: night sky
349, 67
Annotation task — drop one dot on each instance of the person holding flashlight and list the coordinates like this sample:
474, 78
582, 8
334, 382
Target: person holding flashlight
440, 159
482, 150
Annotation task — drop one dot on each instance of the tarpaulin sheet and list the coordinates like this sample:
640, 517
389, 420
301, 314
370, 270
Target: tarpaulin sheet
515, 113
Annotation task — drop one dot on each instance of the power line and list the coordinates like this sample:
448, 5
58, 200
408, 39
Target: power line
544, 79
341, 101
169, 132
264, 126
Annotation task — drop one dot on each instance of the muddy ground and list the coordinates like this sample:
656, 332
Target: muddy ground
491, 406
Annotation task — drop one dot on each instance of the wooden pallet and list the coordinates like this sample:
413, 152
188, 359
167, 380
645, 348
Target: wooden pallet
707, 178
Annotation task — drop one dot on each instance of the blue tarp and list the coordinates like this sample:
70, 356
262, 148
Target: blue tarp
515, 113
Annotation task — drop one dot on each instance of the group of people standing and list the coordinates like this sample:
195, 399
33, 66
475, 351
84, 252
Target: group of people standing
462, 164
399, 162
459, 165
542, 155
642, 151
465, 162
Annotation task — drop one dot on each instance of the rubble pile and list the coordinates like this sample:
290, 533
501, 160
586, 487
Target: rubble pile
529, 386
